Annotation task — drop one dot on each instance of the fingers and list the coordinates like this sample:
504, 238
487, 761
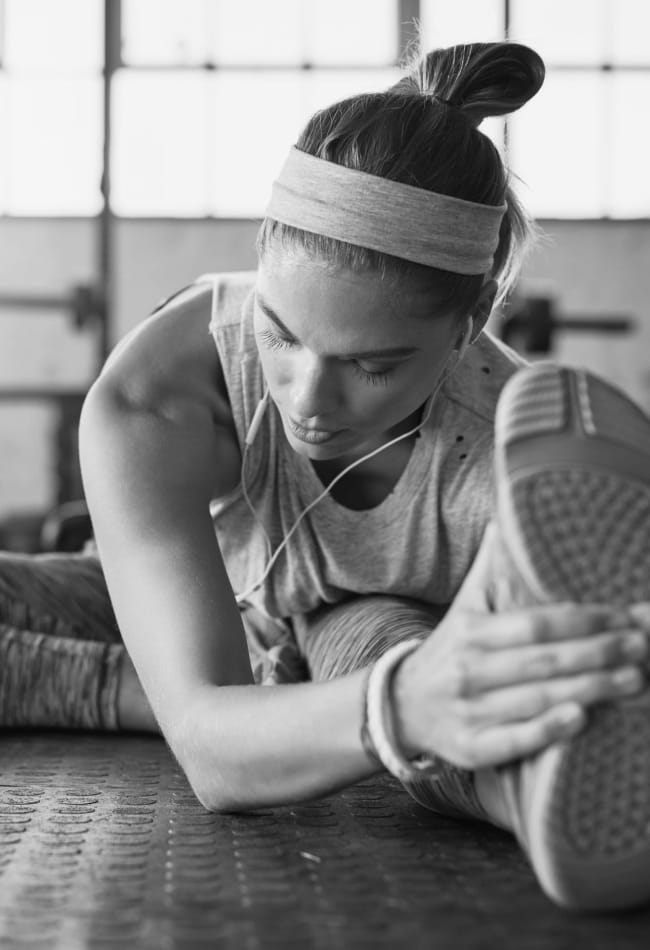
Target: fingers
509, 723
500, 745
542, 624
497, 687
485, 671
529, 701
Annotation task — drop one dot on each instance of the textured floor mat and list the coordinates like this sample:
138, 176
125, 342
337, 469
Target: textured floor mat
103, 845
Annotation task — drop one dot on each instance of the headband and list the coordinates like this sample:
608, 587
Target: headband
387, 216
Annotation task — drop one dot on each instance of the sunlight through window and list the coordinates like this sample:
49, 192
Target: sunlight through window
210, 94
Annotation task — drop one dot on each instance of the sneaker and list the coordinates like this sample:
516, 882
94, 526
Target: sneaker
573, 514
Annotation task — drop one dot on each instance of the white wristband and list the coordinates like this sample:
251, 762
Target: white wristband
380, 717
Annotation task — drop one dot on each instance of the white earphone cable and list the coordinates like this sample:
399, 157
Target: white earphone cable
267, 540
312, 504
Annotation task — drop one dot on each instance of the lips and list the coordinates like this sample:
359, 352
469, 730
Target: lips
312, 436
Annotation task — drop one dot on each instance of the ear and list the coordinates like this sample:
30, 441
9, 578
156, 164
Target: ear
483, 307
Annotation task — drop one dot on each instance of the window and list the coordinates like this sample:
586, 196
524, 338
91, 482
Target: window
207, 96
51, 107
581, 144
207, 105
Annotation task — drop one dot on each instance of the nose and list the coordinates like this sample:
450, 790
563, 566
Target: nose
313, 392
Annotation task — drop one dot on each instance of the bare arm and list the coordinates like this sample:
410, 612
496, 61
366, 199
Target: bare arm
154, 452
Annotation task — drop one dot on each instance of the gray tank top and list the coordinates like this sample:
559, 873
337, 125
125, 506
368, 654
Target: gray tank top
419, 542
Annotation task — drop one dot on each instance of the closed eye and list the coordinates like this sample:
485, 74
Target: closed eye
378, 377
273, 341
374, 377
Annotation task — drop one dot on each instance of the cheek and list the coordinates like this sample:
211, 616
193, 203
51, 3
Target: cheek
275, 367
390, 404
373, 406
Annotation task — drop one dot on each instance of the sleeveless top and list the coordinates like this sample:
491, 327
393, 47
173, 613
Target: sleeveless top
419, 542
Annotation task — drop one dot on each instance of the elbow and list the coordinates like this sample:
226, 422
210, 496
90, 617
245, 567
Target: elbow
215, 789
215, 797
222, 789
218, 804
224, 773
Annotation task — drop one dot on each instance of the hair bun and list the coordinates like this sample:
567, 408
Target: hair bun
479, 79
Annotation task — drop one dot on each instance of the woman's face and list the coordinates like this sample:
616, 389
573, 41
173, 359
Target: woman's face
347, 357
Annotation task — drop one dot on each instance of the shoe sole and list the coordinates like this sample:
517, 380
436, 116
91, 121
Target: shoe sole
573, 470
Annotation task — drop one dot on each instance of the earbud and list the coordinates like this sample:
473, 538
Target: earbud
256, 421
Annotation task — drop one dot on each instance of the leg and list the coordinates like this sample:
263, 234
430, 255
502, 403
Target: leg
61, 653
573, 524
61, 595
339, 639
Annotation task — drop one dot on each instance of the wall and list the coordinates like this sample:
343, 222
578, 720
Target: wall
600, 268
590, 268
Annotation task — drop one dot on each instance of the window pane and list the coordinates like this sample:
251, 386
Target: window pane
494, 128
54, 36
363, 32
258, 116
162, 145
629, 29
323, 88
282, 32
557, 146
561, 31
165, 32
54, 138
630, 182
267, 33
463, 21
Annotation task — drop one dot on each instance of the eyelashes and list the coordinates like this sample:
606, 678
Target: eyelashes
274, 342
373, 379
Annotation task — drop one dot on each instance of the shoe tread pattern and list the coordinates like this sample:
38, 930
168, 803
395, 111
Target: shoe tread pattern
603, 803
587, 534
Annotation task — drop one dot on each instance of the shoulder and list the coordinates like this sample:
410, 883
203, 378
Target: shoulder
170, 356
166, 378
475, 386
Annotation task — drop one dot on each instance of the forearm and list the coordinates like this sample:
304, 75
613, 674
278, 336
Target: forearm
246, 747
134, 711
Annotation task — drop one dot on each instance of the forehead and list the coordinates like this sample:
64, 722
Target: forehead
338, 310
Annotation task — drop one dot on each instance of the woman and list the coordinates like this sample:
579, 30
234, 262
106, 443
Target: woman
305, 493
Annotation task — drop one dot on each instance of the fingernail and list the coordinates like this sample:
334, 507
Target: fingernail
627, 679
570, 715
635, 646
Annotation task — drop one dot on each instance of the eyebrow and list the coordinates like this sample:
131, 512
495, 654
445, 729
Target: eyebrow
392, 351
